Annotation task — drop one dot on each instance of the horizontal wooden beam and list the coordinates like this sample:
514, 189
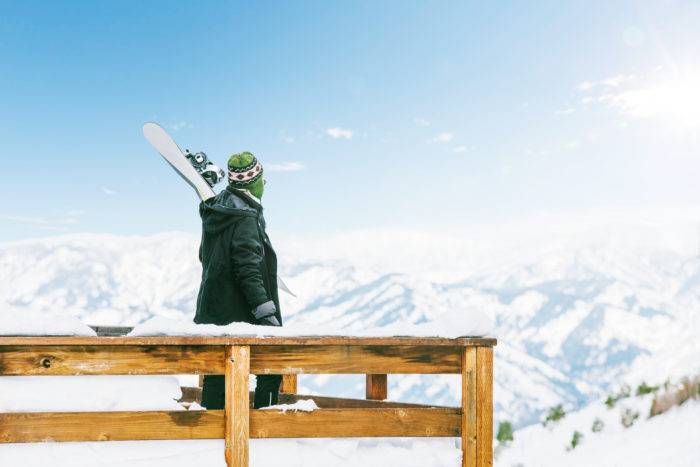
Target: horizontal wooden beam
98, 360
344, 403
110, 426
323, 423
348, 423
243, 340
359, 359
193, 394
194, 359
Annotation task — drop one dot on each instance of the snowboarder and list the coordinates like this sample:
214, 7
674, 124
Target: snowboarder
239, 268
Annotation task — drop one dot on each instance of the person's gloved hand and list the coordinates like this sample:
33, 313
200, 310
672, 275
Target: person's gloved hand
265, 314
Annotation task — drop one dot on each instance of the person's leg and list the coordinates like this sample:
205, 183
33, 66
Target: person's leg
213, 392
267, 389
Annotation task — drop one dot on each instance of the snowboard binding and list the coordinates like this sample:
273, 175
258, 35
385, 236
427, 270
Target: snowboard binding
208, 170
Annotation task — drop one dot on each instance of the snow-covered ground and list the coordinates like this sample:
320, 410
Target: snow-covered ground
669, 439
376, 452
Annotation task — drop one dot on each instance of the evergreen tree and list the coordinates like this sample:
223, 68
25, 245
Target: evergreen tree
628, 417
555, 414
598, 425
575, 440
505, 432
644, 388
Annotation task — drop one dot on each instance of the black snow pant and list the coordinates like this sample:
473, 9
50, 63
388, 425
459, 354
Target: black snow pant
267, 389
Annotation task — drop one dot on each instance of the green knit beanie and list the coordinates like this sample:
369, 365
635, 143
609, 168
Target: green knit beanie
245, 172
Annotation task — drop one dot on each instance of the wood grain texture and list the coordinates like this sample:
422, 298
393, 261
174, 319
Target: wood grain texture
327, 359
194, 394
346, 423
110, 426
98, 360
242, 340
237, 406
289, 384
376, 387
344, 403
469, 407
324, 423
484, 401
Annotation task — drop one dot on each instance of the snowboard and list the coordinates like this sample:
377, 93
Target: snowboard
173, 155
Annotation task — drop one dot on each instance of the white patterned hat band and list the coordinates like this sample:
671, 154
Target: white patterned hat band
245, 175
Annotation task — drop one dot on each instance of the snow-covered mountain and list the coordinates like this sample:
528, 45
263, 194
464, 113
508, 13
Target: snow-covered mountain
576, 309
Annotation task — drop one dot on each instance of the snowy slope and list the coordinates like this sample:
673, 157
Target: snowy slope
576, 308
672, 438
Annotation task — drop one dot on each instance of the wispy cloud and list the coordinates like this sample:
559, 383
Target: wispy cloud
180, 125
337, 132
418, 121
675, 98
285, 167
108, 191
444, 137
60, 224
284, 136
567, 111
459, 149
612, 82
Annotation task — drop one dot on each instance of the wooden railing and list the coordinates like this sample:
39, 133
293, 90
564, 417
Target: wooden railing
236, 358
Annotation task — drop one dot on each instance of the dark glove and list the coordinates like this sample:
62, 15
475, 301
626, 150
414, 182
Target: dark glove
265, 314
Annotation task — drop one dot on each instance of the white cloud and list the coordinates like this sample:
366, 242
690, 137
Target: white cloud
285, 167
418, 121
58, 224
108, 191
567, 111
444, 137
675, 99
459, 149
284, 136
180, 125
338, 132
612, 82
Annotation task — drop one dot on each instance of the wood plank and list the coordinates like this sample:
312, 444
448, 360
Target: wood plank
289, 384
165, 359
346, 423
243, 340
484, 402
469, 407
122, 426
376, 387
123, 360
194, 394
267, 359
345, 403
237, 406
110, 426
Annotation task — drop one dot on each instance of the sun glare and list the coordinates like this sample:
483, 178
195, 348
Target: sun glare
676, 100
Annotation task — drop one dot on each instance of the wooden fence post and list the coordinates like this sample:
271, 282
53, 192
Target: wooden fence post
237, 408
289, 384
484, 404
469, 408
376, 387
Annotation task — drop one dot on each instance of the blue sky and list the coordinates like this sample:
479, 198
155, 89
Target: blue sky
396, 113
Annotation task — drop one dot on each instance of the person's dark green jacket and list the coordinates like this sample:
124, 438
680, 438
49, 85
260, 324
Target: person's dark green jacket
239, 266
